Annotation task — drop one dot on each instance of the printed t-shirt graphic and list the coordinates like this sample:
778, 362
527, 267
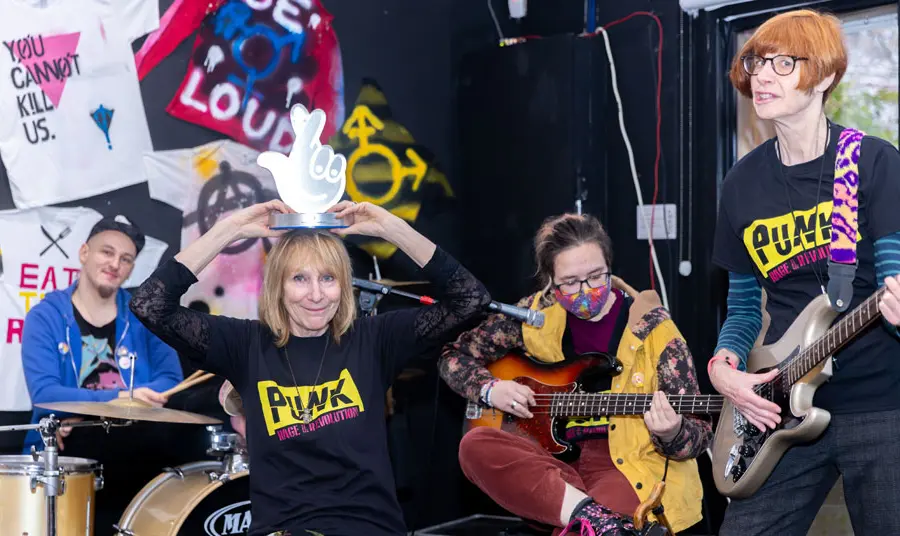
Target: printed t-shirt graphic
207, 183
291, 411
252, 60
39, 249
72, 121
784, 243
99, 368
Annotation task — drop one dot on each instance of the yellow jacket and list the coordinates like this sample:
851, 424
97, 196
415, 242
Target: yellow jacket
651, 335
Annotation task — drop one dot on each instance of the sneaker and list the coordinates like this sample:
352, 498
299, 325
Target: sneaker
596, 520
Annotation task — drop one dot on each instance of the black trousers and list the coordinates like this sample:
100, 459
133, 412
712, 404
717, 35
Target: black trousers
863, 448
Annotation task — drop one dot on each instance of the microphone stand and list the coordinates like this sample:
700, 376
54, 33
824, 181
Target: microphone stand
368, 302
369, 297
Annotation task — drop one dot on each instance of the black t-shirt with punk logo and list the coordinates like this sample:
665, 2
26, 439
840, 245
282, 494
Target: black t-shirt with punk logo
775, 223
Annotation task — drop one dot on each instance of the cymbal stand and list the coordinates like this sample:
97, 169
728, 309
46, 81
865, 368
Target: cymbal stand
131, 386
51, 477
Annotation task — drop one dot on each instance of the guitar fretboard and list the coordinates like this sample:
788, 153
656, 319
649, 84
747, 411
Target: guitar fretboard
596, 404
832, 340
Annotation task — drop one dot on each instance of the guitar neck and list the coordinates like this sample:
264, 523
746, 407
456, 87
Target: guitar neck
595, 405
834, 339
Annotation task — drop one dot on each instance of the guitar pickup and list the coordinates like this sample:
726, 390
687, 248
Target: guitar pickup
473, 410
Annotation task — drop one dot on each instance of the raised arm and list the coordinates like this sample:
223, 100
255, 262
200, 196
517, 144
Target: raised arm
213, 343
460, 295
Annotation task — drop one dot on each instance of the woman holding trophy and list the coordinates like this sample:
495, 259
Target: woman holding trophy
311, 376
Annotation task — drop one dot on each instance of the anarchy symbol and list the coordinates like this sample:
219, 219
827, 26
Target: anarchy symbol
228, 191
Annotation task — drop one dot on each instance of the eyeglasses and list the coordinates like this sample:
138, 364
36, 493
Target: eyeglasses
782, 65
571, 287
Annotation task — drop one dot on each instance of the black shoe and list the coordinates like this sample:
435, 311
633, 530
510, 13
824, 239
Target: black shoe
593, 519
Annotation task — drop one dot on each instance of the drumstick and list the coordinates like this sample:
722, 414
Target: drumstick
187, 383
196, 374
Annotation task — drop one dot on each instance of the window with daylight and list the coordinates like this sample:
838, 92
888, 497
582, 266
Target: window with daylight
867, 96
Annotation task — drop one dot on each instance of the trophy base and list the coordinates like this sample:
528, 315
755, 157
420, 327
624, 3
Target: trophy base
309, 220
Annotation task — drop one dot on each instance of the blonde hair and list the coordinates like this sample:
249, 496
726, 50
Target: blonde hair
323, 251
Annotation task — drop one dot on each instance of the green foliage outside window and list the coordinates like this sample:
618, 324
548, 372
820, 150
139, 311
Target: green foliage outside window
865, 111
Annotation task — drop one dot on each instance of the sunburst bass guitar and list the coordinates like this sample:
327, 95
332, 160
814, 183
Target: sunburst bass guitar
560, 394
743, 456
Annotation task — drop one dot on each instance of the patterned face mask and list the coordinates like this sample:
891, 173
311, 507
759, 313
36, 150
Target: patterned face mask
584, 304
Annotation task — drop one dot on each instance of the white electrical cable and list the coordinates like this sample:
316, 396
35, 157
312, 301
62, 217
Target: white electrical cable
637, 185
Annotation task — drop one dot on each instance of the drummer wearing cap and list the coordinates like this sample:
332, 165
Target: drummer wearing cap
78, 343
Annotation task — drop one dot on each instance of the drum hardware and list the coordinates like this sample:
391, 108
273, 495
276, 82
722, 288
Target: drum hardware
50, 476
175, 471
229, 447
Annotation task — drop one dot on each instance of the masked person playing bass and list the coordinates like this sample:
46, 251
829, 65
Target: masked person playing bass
586, 309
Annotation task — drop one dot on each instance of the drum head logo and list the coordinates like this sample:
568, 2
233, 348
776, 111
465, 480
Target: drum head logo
229, 520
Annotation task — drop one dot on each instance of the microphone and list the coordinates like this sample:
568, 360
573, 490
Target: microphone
527, 316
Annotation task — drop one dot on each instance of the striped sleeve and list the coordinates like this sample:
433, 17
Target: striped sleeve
887, 262
744, 317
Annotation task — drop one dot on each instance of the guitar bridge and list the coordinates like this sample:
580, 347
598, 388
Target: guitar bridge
473, 410
739, 422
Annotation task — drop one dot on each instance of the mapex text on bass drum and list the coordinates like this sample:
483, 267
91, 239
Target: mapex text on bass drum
23, 502
196, 499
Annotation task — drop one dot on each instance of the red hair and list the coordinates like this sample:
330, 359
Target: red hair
804, 33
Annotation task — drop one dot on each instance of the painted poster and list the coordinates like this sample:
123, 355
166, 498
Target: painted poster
72, 121
207, 183
252, 60
385, 165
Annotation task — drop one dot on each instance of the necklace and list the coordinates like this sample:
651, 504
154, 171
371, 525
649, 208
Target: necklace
781, 166
307, 411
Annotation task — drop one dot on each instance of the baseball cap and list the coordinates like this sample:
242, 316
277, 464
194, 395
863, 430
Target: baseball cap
120, 223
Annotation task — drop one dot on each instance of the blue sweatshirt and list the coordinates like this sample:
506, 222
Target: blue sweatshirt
51, 356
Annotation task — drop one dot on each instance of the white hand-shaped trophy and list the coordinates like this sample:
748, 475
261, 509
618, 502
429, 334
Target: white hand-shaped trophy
311, 180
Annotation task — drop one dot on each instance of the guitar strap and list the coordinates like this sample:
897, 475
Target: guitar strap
842, 262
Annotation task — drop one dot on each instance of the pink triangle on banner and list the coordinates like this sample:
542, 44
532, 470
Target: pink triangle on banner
51, 69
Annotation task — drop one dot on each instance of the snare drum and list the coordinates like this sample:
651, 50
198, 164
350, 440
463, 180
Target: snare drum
23, 505
196, 499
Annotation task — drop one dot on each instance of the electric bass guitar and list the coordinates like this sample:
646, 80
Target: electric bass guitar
560, 394
743, 457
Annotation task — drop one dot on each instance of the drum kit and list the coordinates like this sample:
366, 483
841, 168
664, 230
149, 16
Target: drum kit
45, 494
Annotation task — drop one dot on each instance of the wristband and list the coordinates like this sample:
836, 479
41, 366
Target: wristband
726, 359
486, 391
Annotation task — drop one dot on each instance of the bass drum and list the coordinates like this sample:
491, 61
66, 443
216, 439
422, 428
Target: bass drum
196, 499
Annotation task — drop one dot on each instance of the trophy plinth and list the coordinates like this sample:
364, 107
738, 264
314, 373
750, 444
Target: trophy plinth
305, 220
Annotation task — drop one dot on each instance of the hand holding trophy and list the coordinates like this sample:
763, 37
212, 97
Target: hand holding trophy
311, 179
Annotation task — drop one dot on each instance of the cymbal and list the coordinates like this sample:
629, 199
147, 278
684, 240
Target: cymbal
392, 283
131, 410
